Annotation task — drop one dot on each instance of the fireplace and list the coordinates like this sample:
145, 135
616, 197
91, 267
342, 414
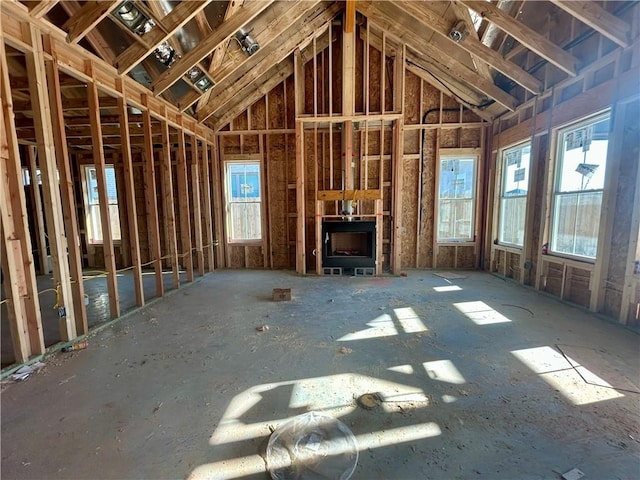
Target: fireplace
349, 245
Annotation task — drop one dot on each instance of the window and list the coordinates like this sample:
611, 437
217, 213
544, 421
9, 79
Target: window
579, 182
513, 195
244, 201
456, 198
94, 225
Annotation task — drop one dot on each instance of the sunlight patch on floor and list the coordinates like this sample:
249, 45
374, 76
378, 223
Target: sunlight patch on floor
480, 313
447, 288
409, 320
382, 326
576, 383
444, 371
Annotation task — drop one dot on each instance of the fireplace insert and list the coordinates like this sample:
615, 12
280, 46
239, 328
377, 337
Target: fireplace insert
348, 245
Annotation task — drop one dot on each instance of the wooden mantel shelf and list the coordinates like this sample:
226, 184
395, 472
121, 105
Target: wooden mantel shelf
332, 195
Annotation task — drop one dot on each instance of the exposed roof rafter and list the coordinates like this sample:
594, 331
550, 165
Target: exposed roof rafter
526, 36
85, 19
178, 17
266, 57
485, 54
597, 18
220, 35
408, 29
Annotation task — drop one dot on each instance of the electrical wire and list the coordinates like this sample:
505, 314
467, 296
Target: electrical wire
458, 97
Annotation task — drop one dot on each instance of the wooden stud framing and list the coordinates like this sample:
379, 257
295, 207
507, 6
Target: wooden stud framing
151, 203
36, 199
527, 247
205, 181
348, 60
66, 189
264, 205
194, 164
168, 210
379, 235
629, 286
11, 282
301, 266
608, 209
183, 205
219, 199
23, 306
397, 183
130, 196
105, 216
51, 190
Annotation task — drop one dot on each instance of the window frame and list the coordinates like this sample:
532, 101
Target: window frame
88, 206
557, 180
501, 188
460, 154
242, 160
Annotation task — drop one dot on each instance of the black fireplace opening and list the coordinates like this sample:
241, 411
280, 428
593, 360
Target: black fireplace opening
349, 245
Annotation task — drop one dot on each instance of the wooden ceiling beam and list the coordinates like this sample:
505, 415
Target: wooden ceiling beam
435, 22
266, 29
266, 57
42, 8
410, 30
177, 18
267, 82
463, 13
593, 15
428, 71
72, 7
218, 54
89, 15
218, 37
526, 36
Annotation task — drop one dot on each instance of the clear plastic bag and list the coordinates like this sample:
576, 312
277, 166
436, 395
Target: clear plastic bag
312, 446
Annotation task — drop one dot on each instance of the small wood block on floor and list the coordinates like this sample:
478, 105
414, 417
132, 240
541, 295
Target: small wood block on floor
281, 294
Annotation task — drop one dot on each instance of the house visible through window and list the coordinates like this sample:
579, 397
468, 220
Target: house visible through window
244, 200
94, 225
513, 194
456, 198
579, 183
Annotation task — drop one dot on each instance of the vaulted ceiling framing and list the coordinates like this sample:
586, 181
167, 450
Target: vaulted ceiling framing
488, 70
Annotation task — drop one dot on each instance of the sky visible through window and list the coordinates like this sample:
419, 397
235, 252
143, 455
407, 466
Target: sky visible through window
584, 158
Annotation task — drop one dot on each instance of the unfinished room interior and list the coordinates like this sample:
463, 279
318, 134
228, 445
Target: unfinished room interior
320, 239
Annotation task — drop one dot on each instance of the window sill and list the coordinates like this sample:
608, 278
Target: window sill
584, 264
508, 248
245, 243
455, 243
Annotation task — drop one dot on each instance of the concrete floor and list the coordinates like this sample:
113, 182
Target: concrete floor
95, 287
473, 378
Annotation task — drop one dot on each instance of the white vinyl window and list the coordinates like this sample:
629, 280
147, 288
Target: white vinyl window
579, 183
456, 198
513, 194
92, 204
244, 200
